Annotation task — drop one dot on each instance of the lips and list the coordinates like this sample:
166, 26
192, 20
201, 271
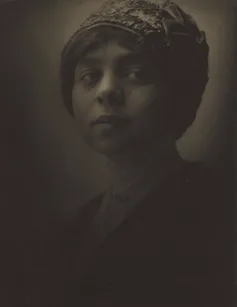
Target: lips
109, 119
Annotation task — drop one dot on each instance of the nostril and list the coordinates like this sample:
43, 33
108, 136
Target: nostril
99, 99
118, 97
115, 97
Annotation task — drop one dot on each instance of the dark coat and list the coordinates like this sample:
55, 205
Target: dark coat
176, 249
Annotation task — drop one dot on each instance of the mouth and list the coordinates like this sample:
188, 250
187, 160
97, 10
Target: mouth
109, 119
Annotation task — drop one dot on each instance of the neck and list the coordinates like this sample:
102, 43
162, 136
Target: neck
143, 164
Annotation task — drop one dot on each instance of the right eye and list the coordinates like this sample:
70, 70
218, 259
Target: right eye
88, 77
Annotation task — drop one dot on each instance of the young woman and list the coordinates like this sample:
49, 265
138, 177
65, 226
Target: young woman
133, 77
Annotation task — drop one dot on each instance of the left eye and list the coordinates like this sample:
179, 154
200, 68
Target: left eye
136, 75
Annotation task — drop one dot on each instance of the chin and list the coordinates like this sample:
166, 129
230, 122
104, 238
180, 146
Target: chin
108, 150
109, 147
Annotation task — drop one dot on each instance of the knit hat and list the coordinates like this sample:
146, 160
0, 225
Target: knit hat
156, 20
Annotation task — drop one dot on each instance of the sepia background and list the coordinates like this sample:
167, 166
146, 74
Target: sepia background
47, 172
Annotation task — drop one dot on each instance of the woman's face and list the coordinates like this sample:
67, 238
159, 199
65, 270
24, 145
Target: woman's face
119, 99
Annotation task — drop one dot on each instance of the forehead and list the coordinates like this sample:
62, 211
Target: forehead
112, 51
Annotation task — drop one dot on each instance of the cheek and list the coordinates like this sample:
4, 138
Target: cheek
81, 104
148, 108
145, 100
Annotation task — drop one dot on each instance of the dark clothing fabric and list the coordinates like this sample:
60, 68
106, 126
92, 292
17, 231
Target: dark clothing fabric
175, 249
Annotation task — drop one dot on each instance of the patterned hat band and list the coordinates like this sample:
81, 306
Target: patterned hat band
144, 18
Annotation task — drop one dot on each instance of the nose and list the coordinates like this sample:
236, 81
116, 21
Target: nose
110, 91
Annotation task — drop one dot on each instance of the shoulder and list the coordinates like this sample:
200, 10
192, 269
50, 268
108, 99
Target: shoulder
200, 171
209, 191
199, 178
200, 187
